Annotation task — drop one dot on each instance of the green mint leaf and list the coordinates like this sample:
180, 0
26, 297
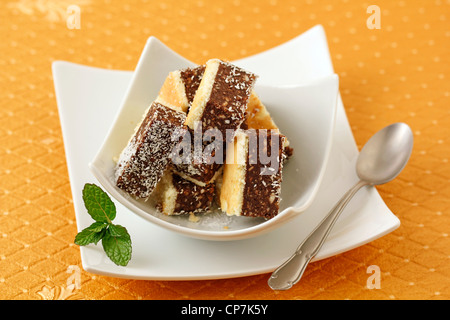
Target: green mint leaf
98, 203
117, 244
92, 234
116, 240
117, 230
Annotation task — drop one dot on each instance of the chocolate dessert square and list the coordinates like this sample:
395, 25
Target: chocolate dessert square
221, 98
251, 181
147, 155
176, 196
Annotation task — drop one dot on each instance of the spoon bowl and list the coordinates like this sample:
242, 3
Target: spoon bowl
385, 154
382, 158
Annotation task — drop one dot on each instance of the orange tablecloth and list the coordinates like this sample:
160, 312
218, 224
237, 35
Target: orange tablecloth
399, 72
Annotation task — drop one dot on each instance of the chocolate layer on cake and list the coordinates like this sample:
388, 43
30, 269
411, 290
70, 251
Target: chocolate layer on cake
144, 160
191, 78
197, 161
180, 86
177, 196
221, 98
262, 191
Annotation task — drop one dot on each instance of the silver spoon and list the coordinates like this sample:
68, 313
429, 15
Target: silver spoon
382, 158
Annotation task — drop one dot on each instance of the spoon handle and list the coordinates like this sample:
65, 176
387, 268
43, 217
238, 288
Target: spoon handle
290, 272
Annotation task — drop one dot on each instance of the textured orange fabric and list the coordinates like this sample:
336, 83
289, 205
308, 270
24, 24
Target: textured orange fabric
399, 72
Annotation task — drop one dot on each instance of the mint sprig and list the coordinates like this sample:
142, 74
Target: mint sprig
116, 241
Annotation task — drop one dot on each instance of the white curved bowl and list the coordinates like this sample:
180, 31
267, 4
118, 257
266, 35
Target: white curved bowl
304, 113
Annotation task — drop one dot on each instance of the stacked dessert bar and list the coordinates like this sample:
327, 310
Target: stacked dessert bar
164, 158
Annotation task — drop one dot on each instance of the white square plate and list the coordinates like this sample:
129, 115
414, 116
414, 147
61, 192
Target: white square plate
89, 100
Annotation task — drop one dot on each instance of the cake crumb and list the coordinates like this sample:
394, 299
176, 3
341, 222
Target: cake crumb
193, 218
